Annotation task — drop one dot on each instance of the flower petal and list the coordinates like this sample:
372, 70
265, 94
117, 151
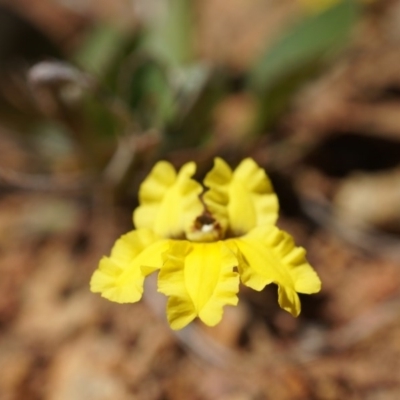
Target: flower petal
246, 195
200, 280
268, 255
169, 202
120, 277
217, 197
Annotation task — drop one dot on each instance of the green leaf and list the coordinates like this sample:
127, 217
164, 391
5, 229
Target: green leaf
150, 95
100, 48
309, 41
198, 97
170, 36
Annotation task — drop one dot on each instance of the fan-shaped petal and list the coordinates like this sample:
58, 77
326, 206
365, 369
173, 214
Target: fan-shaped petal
200, 281
120, 277
267, 255
244, 197
169, 202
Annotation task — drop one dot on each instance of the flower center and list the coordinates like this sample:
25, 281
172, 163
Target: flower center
205, 229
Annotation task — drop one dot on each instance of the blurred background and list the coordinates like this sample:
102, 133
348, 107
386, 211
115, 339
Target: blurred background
93, 93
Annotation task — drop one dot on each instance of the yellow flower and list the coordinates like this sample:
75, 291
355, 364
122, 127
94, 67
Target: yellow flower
204, 243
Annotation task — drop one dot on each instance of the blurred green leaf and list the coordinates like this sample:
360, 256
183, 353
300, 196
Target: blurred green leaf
100, 48
99, 120
298, 56
170, 36
151, 96
103, 54
201, 92
155, 73
309, 41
